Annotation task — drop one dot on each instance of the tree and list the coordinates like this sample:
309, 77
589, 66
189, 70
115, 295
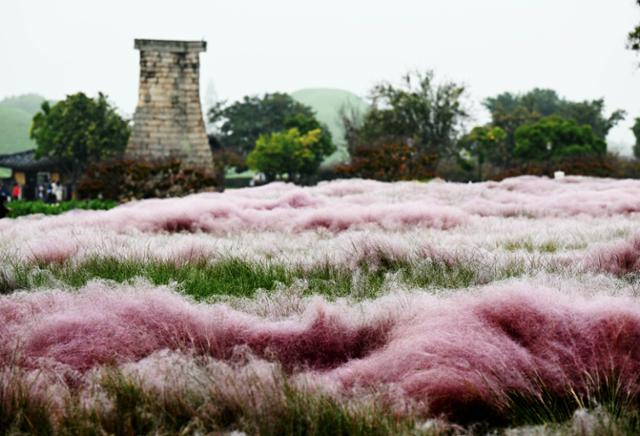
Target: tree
508, 113
422, 115
511, 111
553, 138
289, 152
324, 146
79, 131
239, 125
634, 36
485, 143
636, 132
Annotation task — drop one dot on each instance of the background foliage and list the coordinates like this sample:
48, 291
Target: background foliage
420, 119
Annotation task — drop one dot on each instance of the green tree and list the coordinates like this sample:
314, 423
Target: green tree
636, 132
485, 144
511, 111
78, 131
239, 125
553, 138
289, 152
324, 146
419, 113
634, 36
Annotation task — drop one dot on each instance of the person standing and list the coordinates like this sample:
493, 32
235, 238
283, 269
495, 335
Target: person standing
57, 191
3, 209
50, 196
16, 193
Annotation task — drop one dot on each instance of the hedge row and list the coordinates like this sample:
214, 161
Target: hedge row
23, 207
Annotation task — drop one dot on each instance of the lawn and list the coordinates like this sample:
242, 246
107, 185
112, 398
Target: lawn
352, 307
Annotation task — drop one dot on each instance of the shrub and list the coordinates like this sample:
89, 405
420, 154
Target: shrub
388, 161
609, 166
290, 152
126, 179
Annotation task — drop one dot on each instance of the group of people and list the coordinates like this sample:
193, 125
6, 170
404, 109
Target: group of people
13, 193
50, 192
6, 193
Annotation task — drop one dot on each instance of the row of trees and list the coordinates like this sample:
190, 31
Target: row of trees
539, 126
409, 130
412, 128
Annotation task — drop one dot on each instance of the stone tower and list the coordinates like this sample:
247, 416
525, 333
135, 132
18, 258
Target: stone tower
168, 120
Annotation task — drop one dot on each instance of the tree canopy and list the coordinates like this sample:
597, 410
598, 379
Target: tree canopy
484, 143
79, 130
511, 111
636, 132
634, 36
554, 137
290, 152
239, 125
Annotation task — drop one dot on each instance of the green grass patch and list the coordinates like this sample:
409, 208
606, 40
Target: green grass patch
606, 407
528, 246
124, 407
120, 404
240, 278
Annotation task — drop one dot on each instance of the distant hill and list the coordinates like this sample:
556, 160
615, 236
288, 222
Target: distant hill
30, 103
16, 114
327, 103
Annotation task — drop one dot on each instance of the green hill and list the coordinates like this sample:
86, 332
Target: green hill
30, 103
14, 130
16, 114
327, 104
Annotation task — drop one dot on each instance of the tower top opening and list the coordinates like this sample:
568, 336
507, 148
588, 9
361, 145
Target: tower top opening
171, 46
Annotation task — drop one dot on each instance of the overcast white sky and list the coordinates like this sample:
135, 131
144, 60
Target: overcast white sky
574, 46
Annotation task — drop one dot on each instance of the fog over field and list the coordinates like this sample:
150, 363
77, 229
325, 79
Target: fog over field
493, 46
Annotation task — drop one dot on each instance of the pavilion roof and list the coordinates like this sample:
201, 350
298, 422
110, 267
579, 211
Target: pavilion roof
27, 161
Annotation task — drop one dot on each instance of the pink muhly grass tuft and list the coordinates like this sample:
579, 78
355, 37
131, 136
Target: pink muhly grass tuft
467, 356
100, 326
617, 258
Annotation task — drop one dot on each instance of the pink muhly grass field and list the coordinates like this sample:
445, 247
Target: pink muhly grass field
340, 222
566, 326
343, 205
